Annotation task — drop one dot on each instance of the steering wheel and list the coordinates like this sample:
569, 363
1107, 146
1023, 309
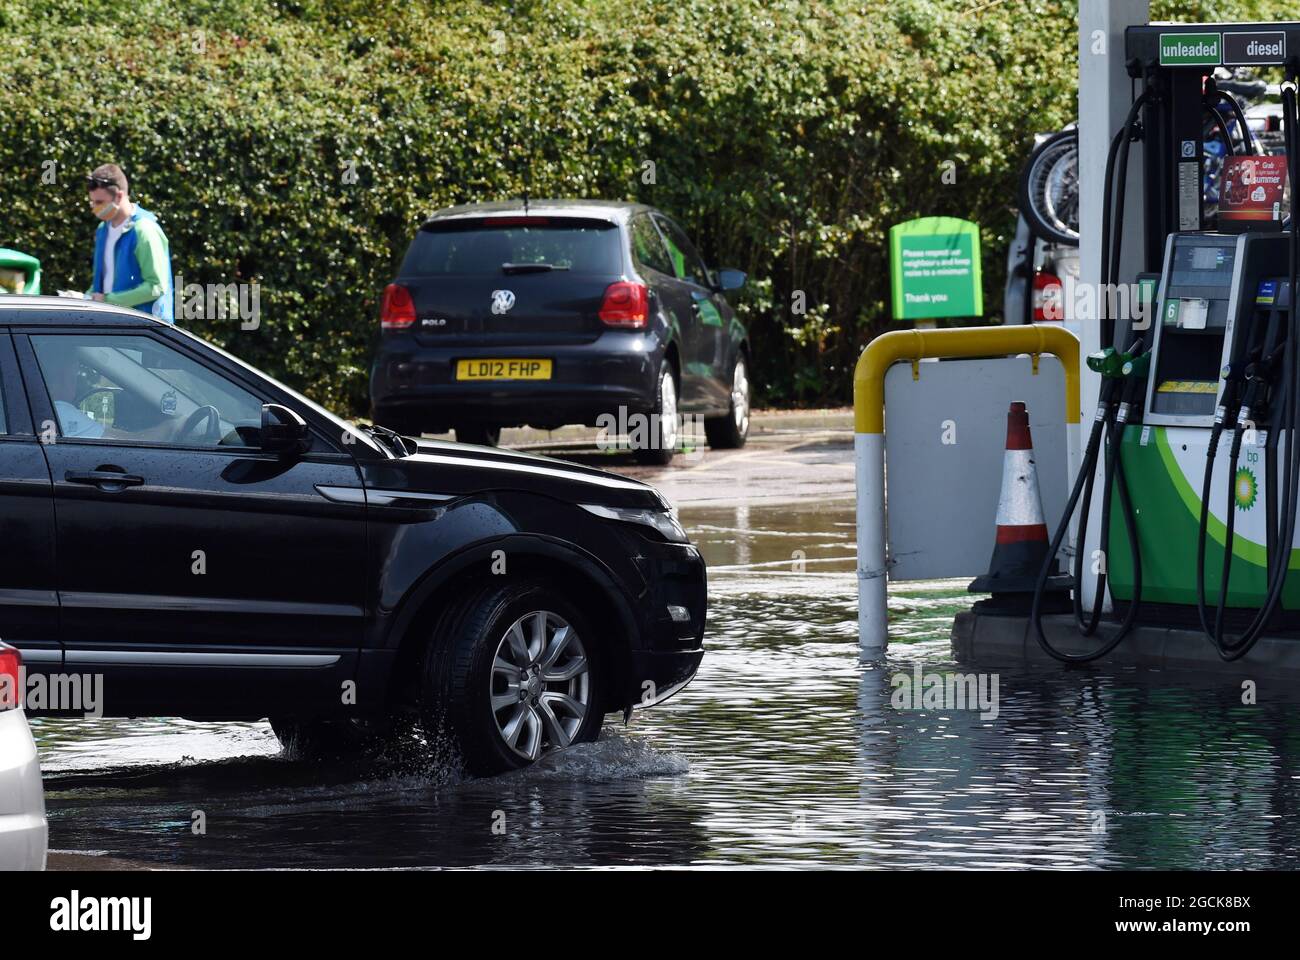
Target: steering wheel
213, 431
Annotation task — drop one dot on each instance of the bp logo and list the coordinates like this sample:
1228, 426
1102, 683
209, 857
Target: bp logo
1245, 489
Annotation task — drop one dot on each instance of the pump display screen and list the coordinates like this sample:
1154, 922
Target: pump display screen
1200, 282
1203, 266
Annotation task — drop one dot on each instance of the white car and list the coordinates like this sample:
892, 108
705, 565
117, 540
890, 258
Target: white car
23, 831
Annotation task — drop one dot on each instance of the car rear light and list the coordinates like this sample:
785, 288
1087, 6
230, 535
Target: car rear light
626, 304
11, 665
514, 221
1049, 300
398, 309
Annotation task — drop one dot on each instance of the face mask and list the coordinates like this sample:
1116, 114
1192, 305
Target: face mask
106, 211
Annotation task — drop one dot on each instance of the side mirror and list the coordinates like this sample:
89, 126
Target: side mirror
729, 279
283, 431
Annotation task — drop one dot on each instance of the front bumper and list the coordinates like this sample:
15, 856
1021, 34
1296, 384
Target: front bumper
413, 387
671, 649
24, 835
660, 674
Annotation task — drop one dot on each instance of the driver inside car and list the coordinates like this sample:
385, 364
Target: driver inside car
60, 370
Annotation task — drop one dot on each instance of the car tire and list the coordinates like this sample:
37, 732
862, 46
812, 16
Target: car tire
511, 673
333, 739
483, 436
731, 432
659, 443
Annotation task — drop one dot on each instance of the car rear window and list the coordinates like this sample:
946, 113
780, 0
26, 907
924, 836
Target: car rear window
482, 245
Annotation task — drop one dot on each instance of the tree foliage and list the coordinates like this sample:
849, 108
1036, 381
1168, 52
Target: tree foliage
299, 144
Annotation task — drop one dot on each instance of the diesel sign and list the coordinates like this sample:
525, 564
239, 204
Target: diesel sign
1244, 48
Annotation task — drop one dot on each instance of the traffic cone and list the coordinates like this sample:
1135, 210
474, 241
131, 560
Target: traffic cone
1021, 545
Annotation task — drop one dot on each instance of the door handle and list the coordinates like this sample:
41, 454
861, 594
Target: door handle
105, 479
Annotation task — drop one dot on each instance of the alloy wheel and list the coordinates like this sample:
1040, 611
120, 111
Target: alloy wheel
668, 412
740, 397
541, 684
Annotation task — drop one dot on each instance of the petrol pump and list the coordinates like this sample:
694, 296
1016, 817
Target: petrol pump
1192, 435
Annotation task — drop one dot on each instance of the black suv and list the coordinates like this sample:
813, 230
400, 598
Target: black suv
218, 546
561, 312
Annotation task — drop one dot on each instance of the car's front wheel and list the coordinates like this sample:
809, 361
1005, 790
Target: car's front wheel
510, 674
731, 431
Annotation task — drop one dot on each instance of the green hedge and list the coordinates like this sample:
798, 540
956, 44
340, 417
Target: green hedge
787, 136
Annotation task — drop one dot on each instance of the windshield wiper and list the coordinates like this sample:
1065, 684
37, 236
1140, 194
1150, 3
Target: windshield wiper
394, 440
531, 267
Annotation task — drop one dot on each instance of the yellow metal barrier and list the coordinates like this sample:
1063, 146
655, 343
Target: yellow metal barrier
869, 432
952, 343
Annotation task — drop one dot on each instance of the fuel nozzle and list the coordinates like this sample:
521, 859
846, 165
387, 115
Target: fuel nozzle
1133, 371
1258, 375
1107, 362
1237, 371
1137, 367
1235, 375
1263, 368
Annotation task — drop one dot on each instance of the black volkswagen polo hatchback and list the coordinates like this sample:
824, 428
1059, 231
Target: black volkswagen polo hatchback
561, 312
216, 545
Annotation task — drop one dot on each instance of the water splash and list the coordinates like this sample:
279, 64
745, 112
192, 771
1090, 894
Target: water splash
615, 756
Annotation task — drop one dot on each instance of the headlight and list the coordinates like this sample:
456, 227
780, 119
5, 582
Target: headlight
661, 520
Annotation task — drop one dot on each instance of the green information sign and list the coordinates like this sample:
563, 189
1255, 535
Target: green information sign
1190, 49
934, 269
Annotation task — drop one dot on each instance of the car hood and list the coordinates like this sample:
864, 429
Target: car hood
458, 469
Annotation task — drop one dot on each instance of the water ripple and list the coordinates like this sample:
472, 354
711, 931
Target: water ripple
787, 750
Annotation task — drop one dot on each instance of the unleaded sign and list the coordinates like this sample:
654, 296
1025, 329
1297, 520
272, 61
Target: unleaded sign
934, 269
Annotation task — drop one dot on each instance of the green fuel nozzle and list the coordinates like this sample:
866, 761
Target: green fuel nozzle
1113, 364
1137, 366
1107, 362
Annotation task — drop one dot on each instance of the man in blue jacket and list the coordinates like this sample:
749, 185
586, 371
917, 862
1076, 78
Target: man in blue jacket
133, 265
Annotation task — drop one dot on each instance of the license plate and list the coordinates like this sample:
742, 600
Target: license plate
515, 369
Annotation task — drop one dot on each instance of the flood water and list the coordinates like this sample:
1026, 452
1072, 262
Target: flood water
786, 750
